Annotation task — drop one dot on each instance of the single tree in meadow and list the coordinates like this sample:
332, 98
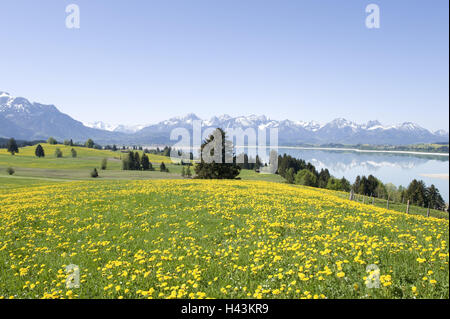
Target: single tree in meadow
217, 158
10, 171
73, 152
89, 143
58, 153
163, 167
104, 164
12, 146
39, 152
94, 173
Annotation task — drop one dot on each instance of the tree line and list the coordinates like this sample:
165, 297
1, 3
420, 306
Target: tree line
132, 161
297, 171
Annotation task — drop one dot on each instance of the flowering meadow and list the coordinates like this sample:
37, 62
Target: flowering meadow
213, 239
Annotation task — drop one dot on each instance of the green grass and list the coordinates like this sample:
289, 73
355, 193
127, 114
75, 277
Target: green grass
141, 234
10, 182
26, 164
399, 207
218, 239
29, 169
251, 175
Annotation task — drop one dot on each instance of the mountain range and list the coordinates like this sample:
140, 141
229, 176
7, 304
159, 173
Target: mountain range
21, 119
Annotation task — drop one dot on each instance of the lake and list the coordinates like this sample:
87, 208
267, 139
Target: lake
398, 169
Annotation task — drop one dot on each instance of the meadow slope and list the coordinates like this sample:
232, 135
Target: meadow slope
218, 239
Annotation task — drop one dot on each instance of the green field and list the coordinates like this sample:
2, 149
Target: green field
30, 170
134, 234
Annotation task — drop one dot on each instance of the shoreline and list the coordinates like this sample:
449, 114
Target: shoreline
354, 150
438, 176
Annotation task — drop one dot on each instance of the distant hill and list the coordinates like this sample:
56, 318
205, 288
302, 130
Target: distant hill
22, 119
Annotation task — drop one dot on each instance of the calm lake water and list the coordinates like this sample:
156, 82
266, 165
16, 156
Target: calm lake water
398, 169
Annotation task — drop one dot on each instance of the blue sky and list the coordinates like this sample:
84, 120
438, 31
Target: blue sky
145, 61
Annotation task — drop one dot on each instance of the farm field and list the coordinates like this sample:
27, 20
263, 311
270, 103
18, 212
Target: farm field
247, 239
32, 170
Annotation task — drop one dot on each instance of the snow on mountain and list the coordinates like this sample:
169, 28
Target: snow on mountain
296, 132
129, 129
22, 119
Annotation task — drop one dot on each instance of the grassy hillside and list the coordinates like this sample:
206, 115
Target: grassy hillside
27, 164
30, 170
245, 239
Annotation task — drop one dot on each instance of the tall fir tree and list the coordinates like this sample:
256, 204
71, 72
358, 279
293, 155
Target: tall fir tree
39, 151
12, 146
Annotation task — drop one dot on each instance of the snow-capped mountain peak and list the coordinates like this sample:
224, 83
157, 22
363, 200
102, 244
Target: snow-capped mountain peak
129, 129
20, 118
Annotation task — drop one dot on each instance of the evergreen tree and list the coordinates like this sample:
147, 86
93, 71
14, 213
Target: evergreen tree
39, 152
356, 184
73, 152
416, 192
217, 166
324, 176
145, 162
12, 146
137, 162
258, 163
163, 167
434, 198
104, 163
345, 185
94, 173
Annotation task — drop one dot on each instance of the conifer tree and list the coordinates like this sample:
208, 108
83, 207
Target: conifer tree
12, 146
39, 152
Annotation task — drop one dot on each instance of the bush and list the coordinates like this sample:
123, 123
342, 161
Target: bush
290, 178
94, 173
58, 153
104, 163
10, 171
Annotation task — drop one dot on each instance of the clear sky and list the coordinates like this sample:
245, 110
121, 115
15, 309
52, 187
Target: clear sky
141, 61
